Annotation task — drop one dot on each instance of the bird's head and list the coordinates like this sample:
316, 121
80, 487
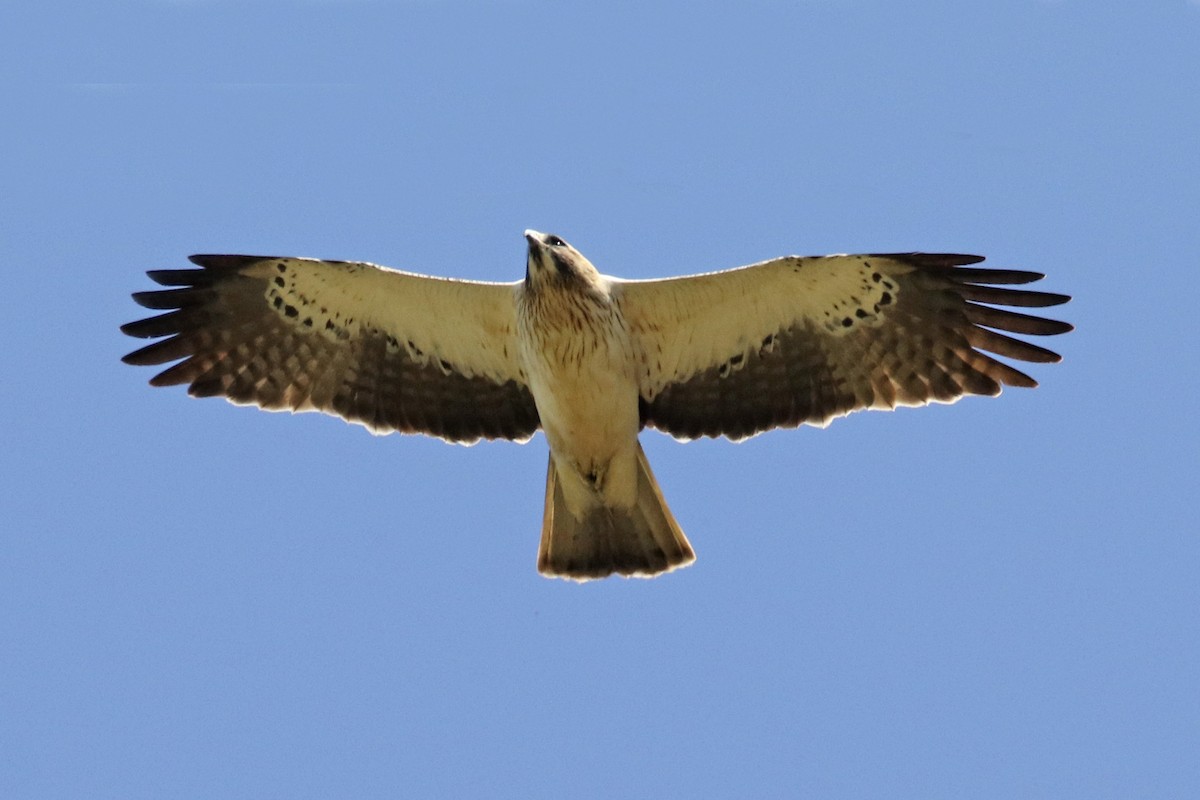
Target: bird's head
553, 261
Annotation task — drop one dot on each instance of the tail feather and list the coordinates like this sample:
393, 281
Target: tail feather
643, 540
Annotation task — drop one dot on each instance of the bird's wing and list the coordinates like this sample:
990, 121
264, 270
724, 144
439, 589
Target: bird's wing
391, 350
804, 340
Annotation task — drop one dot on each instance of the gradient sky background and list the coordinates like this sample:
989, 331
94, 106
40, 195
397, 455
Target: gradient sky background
993, 599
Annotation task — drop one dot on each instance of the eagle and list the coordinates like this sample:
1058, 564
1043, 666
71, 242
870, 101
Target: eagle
591, 360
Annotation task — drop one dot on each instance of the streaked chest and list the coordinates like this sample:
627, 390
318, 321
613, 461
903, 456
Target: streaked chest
580, 363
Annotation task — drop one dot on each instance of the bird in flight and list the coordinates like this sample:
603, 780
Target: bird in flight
591, 360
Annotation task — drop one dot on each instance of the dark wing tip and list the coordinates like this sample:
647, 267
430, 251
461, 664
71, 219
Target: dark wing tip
187, 303
150, 327
1005, 320
190, 290
168, 299
1014, 377
984, 293
931, 261
226, 262
986, 320
1054, 299
180, 277
1054, 327
134, 359
135, 329
994, 276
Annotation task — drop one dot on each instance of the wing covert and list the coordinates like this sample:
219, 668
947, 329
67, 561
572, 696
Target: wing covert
391, 350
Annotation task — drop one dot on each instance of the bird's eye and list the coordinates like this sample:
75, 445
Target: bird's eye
554, 241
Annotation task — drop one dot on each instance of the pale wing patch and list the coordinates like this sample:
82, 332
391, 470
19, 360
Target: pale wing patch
414, 313
847, 293
719, 319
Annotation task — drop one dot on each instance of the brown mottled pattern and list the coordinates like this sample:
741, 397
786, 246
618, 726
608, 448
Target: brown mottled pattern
928, 347
230, 343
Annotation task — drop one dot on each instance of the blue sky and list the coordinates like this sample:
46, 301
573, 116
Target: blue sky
993, 599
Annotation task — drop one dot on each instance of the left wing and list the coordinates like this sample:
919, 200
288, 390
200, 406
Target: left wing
392, 350
804, 340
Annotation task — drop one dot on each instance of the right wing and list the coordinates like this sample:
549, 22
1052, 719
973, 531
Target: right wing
391, 350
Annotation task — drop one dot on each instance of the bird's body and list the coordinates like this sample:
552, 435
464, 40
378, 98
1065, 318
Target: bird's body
591, 360
604, 511
579, 360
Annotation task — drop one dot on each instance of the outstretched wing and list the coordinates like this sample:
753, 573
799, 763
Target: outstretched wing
804, 340
391, 350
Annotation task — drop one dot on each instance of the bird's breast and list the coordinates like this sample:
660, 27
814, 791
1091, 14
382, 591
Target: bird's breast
579, 361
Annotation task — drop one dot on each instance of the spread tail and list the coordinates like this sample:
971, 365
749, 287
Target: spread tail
643, 540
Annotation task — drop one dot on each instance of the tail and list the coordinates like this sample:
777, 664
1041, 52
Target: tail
643, 540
